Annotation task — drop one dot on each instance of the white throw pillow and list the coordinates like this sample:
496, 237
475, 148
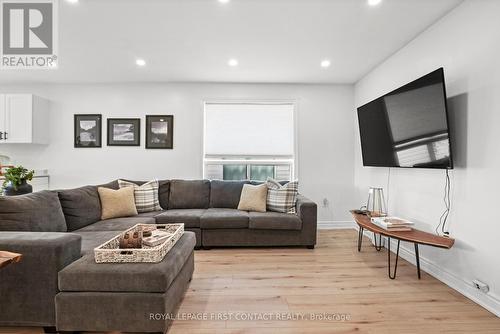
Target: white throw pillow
146, 195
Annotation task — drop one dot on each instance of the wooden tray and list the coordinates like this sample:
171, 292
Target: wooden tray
109, 252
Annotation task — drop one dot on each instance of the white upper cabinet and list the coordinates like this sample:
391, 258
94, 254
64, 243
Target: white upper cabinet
24, 118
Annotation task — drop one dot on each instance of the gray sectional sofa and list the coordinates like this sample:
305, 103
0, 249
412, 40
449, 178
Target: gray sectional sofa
56, 231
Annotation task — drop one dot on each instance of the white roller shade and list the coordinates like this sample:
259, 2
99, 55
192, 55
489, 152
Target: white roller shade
249, 129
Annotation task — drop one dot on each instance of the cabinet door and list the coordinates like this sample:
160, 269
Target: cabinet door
19, 118
2, 117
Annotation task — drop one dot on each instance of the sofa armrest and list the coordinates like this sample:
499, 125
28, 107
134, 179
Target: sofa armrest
307, 210
28, 287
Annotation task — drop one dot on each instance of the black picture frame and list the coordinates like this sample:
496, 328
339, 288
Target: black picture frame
160, 132
124, 132
92, 135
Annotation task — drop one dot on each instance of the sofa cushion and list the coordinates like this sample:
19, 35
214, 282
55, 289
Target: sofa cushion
224, 218
274, 221
110, 185
197, 232
151, 214
189, 194
225, 194
117, 224
92, 239
35, 212
256, 183
188, 217
86, 275
81, 206
163, 193
117, 203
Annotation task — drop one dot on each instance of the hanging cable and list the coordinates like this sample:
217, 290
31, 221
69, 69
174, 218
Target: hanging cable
447, 202
388, 190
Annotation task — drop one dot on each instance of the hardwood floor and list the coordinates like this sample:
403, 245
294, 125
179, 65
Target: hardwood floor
331, 279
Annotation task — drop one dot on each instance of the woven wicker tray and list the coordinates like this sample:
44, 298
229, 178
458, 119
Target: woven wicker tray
110, 251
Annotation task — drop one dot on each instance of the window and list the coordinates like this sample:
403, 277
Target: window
249, 141
234, 172
261, 173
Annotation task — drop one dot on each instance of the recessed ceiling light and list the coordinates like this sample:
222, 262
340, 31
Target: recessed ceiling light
325, 63
140, 62
233, 62
224, 1
72, 1
374, 2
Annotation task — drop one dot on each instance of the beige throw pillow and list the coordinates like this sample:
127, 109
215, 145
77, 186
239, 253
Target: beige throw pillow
117, 203
253, 198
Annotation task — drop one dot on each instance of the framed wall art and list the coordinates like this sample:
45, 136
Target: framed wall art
124, 131
88, 130
160, 131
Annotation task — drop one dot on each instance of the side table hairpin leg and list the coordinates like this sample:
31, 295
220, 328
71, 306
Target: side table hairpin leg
360, 238
378, 246
392, 276
417, 260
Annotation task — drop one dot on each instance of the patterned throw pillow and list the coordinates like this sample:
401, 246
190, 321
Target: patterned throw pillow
282, 198
146, 195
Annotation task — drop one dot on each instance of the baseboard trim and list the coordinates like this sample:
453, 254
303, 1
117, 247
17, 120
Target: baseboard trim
458, 284
335, 225
488, 302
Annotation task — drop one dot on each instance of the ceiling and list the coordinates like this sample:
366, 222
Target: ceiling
274, 41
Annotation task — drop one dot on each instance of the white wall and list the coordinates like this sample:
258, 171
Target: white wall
325, 136
466, 43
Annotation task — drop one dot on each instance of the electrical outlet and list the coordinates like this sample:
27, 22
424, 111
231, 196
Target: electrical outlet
481, 286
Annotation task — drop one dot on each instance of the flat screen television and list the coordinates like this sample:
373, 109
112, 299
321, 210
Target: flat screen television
408, 127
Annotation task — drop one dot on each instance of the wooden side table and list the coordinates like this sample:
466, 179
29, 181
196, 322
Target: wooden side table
416, 236
7, 258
